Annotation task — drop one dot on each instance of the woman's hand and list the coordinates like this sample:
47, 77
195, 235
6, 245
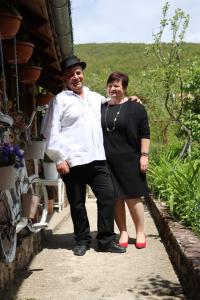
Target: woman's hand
144, 163
63, 168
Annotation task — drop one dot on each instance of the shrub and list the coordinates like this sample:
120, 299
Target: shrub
178, 184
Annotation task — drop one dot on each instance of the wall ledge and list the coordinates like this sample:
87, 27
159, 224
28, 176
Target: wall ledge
182, 245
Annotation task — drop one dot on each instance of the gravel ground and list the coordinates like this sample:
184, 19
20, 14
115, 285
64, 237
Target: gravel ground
56, 274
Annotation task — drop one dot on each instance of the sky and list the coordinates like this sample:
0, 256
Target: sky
128, 21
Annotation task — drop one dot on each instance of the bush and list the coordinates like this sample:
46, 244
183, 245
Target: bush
178, 184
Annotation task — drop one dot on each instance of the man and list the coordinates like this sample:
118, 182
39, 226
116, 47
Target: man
74, 136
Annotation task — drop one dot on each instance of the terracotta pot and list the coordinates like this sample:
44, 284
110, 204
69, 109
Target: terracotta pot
9, 25
29, 74
43, 99
24, 51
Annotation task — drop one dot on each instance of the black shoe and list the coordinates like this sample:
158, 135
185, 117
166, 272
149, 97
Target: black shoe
113, 247
80, 250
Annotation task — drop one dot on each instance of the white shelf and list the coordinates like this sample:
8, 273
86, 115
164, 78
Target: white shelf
61, 191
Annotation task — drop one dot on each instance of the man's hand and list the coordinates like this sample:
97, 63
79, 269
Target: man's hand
135, 98
63, 168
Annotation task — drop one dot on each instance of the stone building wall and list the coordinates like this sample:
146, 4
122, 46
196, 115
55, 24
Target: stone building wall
28, 247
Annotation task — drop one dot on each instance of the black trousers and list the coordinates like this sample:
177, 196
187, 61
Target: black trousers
97, 176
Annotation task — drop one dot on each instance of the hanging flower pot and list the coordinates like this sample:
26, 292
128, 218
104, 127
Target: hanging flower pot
9, 24
50, 171
29, 74
11, 158
24, 51
35, 150
43, 99
29, 205
7, 177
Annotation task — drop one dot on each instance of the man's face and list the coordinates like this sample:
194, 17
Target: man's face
73, 78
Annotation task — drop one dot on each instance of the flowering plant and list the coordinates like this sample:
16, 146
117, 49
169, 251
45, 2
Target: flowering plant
11, 155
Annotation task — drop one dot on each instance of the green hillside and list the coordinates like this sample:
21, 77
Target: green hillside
102, 59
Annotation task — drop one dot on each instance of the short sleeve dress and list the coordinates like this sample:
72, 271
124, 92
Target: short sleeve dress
122, 143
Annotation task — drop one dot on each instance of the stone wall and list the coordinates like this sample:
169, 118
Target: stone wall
27, 247
183, 248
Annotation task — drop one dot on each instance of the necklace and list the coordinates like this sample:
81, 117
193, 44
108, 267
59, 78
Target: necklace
111, 130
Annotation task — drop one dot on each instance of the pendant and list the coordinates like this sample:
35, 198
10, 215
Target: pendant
110, 132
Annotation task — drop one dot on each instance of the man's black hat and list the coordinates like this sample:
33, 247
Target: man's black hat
71, 61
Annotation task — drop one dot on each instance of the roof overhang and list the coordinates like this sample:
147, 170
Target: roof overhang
49, 26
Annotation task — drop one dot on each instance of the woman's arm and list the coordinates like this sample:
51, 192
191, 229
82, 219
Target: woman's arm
145, 140
144, 159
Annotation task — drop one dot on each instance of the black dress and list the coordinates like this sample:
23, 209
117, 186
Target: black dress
122, 147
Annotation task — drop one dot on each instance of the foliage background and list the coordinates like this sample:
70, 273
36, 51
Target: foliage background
173, 180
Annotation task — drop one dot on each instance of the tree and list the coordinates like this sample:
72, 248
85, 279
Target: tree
169, 72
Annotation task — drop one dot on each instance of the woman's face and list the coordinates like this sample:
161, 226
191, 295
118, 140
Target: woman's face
115, 90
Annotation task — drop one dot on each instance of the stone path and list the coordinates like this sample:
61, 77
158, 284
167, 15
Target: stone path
56, 274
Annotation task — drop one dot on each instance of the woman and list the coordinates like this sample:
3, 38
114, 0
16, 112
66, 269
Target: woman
126, 141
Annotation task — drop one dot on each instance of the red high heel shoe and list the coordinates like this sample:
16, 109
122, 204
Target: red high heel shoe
141, 245
124, 245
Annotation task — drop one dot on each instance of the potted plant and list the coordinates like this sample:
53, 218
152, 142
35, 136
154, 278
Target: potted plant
35, 148
11, 158
35, 143
49, 168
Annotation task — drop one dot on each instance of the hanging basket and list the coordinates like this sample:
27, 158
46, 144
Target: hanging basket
50, 171
43, 99
24, 51
9, 25
29, 205
8, 176
35, 150
29, 74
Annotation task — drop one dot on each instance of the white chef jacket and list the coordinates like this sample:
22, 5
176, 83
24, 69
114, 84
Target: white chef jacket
72, 128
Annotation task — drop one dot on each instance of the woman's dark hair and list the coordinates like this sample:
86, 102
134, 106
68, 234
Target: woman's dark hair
118, 76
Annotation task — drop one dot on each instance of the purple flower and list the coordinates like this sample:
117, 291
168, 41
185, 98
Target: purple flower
11, 155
